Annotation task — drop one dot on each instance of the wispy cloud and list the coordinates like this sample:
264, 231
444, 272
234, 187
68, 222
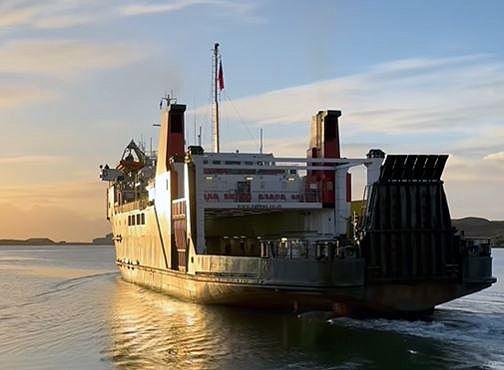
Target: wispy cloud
63, 57
419, 95
54, 14
499, 156
32, 70
85, 197
244, 9
458, 96
51, 13
142, 8
18, 95
61, 210
55, 222
30, 159
12, 15
68, 20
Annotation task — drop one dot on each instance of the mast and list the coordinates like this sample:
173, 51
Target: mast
261, 139
215, 128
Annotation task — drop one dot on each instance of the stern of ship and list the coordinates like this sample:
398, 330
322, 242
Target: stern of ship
415, 258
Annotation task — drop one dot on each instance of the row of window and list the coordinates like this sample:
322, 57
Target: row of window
138, 219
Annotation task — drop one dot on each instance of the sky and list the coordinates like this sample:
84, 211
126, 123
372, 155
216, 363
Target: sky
79, 79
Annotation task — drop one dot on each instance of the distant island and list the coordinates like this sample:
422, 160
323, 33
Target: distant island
106, 240
481, 228
472, 227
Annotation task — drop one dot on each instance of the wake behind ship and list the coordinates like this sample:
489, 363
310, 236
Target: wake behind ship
256, 230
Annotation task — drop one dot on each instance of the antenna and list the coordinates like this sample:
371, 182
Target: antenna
167, 99
194, 120
199, 136
215, 133
261, 140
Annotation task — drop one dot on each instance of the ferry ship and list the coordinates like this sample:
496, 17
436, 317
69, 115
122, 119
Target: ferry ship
256, 230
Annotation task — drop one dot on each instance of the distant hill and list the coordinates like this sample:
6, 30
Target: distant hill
106, 240
31, 241
481, 227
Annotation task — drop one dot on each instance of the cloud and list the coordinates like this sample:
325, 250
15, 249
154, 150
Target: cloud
84, 197
499, 156
12, 16
142, 8
49, 13
54, 222
419, 95
14, 96
462, 169
63, 57
66, 21
31, 159
161, 7
56, 14
32, 69
474, 187
71, 210
484, 140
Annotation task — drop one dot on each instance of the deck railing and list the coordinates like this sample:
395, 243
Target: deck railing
131, 206
297, 248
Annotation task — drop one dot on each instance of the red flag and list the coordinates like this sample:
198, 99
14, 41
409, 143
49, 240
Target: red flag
220, 77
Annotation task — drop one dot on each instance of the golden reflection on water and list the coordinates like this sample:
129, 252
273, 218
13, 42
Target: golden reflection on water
150, 330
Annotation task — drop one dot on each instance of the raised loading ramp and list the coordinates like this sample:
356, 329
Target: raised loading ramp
407, 230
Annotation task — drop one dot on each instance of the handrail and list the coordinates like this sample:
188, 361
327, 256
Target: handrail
130, 206
298, 248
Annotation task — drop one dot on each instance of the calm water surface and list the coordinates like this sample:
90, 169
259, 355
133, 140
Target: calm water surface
67, 308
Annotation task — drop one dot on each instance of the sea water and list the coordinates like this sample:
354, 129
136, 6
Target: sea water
66, 307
